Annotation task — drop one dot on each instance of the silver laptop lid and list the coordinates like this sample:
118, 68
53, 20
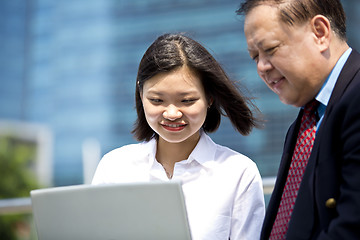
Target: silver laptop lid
152, 210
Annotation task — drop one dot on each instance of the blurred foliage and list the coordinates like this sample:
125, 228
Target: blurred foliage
17, 159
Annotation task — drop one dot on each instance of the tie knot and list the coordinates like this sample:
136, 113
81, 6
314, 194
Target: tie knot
311, 107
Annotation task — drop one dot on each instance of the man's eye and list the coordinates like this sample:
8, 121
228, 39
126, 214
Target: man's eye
270, 50
255, 58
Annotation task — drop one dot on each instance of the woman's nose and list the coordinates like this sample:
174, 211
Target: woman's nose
172, 113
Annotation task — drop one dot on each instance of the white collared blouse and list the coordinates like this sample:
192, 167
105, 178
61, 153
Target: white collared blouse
222, 188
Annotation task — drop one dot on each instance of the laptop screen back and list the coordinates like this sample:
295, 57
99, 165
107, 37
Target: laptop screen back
116, 211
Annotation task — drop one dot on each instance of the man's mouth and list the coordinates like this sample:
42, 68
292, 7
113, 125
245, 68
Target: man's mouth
275, 81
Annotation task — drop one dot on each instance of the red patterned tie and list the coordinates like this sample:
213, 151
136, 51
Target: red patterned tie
304, 143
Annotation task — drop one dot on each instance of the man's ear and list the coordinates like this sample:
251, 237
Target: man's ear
321, 28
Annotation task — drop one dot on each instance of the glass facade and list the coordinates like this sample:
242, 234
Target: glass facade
71, 66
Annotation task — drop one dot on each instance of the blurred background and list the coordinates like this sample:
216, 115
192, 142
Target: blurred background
67, 77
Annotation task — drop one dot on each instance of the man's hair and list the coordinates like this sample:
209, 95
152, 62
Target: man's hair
295, 12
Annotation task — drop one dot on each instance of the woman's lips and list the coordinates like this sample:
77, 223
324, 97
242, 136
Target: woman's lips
173, 126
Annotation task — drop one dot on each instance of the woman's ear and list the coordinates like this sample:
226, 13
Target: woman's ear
139, 90
210, 101
321, 28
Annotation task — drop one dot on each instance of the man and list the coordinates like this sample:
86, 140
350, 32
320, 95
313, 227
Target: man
301, 53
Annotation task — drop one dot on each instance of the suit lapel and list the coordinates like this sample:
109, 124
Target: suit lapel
305, 202
347, 74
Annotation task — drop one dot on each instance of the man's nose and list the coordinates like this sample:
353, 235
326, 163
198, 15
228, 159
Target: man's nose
263, 65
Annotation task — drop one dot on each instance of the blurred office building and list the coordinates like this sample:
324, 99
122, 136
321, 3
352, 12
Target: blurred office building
68, 70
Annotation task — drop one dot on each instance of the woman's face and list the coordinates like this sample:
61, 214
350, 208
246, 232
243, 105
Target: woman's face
175, 105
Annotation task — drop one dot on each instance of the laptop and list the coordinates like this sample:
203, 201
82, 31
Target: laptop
151, 210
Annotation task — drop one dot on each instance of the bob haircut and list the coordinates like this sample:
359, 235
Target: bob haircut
299, 11
171, 51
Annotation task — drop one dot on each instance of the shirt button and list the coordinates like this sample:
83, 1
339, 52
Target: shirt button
330, 203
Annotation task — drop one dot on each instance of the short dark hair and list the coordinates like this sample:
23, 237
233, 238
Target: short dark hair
299, 11
171, 51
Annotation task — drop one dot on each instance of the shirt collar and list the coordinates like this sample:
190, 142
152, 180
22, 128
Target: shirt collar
148, 151
152, 145
325, 92
204, 150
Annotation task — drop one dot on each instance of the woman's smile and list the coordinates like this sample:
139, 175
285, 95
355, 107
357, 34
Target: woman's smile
174, 127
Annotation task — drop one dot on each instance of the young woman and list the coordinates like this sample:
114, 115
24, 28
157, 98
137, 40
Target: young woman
181, 93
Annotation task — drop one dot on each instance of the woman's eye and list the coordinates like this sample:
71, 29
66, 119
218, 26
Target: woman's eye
188, 100
155, 100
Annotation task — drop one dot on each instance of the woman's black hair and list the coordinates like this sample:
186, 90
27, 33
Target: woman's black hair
171, 51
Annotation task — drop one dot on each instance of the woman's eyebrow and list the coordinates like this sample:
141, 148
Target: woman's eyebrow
161, 93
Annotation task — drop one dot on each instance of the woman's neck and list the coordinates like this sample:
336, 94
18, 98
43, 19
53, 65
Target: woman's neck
167, 154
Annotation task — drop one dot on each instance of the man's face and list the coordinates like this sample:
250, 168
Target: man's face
287, 57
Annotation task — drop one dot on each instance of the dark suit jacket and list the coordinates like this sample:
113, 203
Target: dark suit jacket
328, 202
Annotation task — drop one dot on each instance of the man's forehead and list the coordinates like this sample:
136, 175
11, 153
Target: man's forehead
261, 17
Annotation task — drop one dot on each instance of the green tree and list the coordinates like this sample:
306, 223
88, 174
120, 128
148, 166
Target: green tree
17, 160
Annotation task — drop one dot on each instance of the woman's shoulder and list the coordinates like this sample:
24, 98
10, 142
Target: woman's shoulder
224, 153
233, 155
128, 152
122, 164
125, 149
236, 164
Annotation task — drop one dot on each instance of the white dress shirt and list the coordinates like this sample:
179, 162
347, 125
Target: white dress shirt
222, 188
